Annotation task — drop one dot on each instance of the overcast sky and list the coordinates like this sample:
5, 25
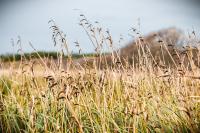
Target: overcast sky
29, 19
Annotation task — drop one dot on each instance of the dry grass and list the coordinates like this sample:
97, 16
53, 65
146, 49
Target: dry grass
108, 93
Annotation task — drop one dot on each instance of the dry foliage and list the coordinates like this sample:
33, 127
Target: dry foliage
151, 85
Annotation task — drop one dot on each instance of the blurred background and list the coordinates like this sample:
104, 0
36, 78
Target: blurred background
29, 19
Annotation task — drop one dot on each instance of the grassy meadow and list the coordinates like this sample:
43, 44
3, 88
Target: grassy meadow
148, 86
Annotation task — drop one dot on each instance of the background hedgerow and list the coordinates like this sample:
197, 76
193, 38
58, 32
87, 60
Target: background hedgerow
43, 54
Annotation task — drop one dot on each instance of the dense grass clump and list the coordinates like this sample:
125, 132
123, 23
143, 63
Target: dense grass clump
99, 101
101, 93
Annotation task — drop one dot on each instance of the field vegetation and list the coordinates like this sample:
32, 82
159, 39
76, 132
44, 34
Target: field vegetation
150, 85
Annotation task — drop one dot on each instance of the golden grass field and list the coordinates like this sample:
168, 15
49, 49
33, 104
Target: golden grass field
146, 89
